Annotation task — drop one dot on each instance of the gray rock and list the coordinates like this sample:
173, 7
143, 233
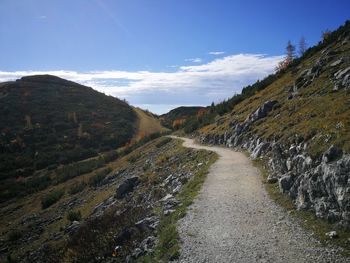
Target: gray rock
286, 182
263, 146
337, 62
73, 227
169, 202
332, 234
148, 223
126, 187
148, 244
262, 111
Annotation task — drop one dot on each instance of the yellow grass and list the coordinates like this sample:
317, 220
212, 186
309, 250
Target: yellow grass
147, 124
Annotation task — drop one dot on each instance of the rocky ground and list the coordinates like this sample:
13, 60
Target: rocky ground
120, 215
234, 220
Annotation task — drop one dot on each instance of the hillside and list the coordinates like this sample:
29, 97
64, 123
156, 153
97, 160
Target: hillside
115, 213
47, 122
298, 122
179, 115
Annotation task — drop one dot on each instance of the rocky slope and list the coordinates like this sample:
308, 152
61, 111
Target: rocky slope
300, 125
120, 212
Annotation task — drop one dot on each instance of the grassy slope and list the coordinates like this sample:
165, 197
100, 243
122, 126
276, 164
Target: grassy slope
313, 115
317, 114
147, 124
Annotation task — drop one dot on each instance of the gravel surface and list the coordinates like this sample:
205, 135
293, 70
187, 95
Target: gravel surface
234, 220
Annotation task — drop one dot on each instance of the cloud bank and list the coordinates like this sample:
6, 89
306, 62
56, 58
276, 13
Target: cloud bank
162, 91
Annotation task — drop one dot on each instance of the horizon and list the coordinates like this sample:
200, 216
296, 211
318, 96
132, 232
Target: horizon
138, 52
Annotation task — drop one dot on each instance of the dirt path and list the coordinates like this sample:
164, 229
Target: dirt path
234, 220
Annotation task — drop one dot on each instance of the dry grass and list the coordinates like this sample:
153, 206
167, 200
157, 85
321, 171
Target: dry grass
316, 114
147, 124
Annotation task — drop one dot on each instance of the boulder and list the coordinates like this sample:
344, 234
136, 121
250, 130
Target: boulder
286, 182
262, 111
262, 147
277, 162
126, 187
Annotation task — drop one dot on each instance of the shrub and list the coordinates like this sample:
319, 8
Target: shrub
163, 142
76, 188
51, 198
74, 216
99, 176
73, 170
134, 158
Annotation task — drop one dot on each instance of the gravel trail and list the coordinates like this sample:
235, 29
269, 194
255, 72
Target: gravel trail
234, 220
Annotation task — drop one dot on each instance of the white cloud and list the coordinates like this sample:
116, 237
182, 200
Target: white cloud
42, 17
216, 53
194, 60
188, 85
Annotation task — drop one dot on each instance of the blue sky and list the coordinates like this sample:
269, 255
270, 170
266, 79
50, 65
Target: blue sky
158, 54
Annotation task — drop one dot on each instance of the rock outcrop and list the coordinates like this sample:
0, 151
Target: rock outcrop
321, 185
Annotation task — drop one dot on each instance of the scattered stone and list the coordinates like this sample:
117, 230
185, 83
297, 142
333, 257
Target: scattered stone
148, 223
332, 234
169, 212
148, 244
73, 227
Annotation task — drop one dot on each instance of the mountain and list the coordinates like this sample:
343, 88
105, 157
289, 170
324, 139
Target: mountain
179, 115
47, 121
298, 122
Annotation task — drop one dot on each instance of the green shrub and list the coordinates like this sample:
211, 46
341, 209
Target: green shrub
51, 198
74, 216
99, 176
76, 188
110, 156
73, 170
163, 142
134, 158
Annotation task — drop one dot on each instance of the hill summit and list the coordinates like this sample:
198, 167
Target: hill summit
47, 121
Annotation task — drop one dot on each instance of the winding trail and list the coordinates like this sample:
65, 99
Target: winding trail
234, 220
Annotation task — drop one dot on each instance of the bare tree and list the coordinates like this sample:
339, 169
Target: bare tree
302, 46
